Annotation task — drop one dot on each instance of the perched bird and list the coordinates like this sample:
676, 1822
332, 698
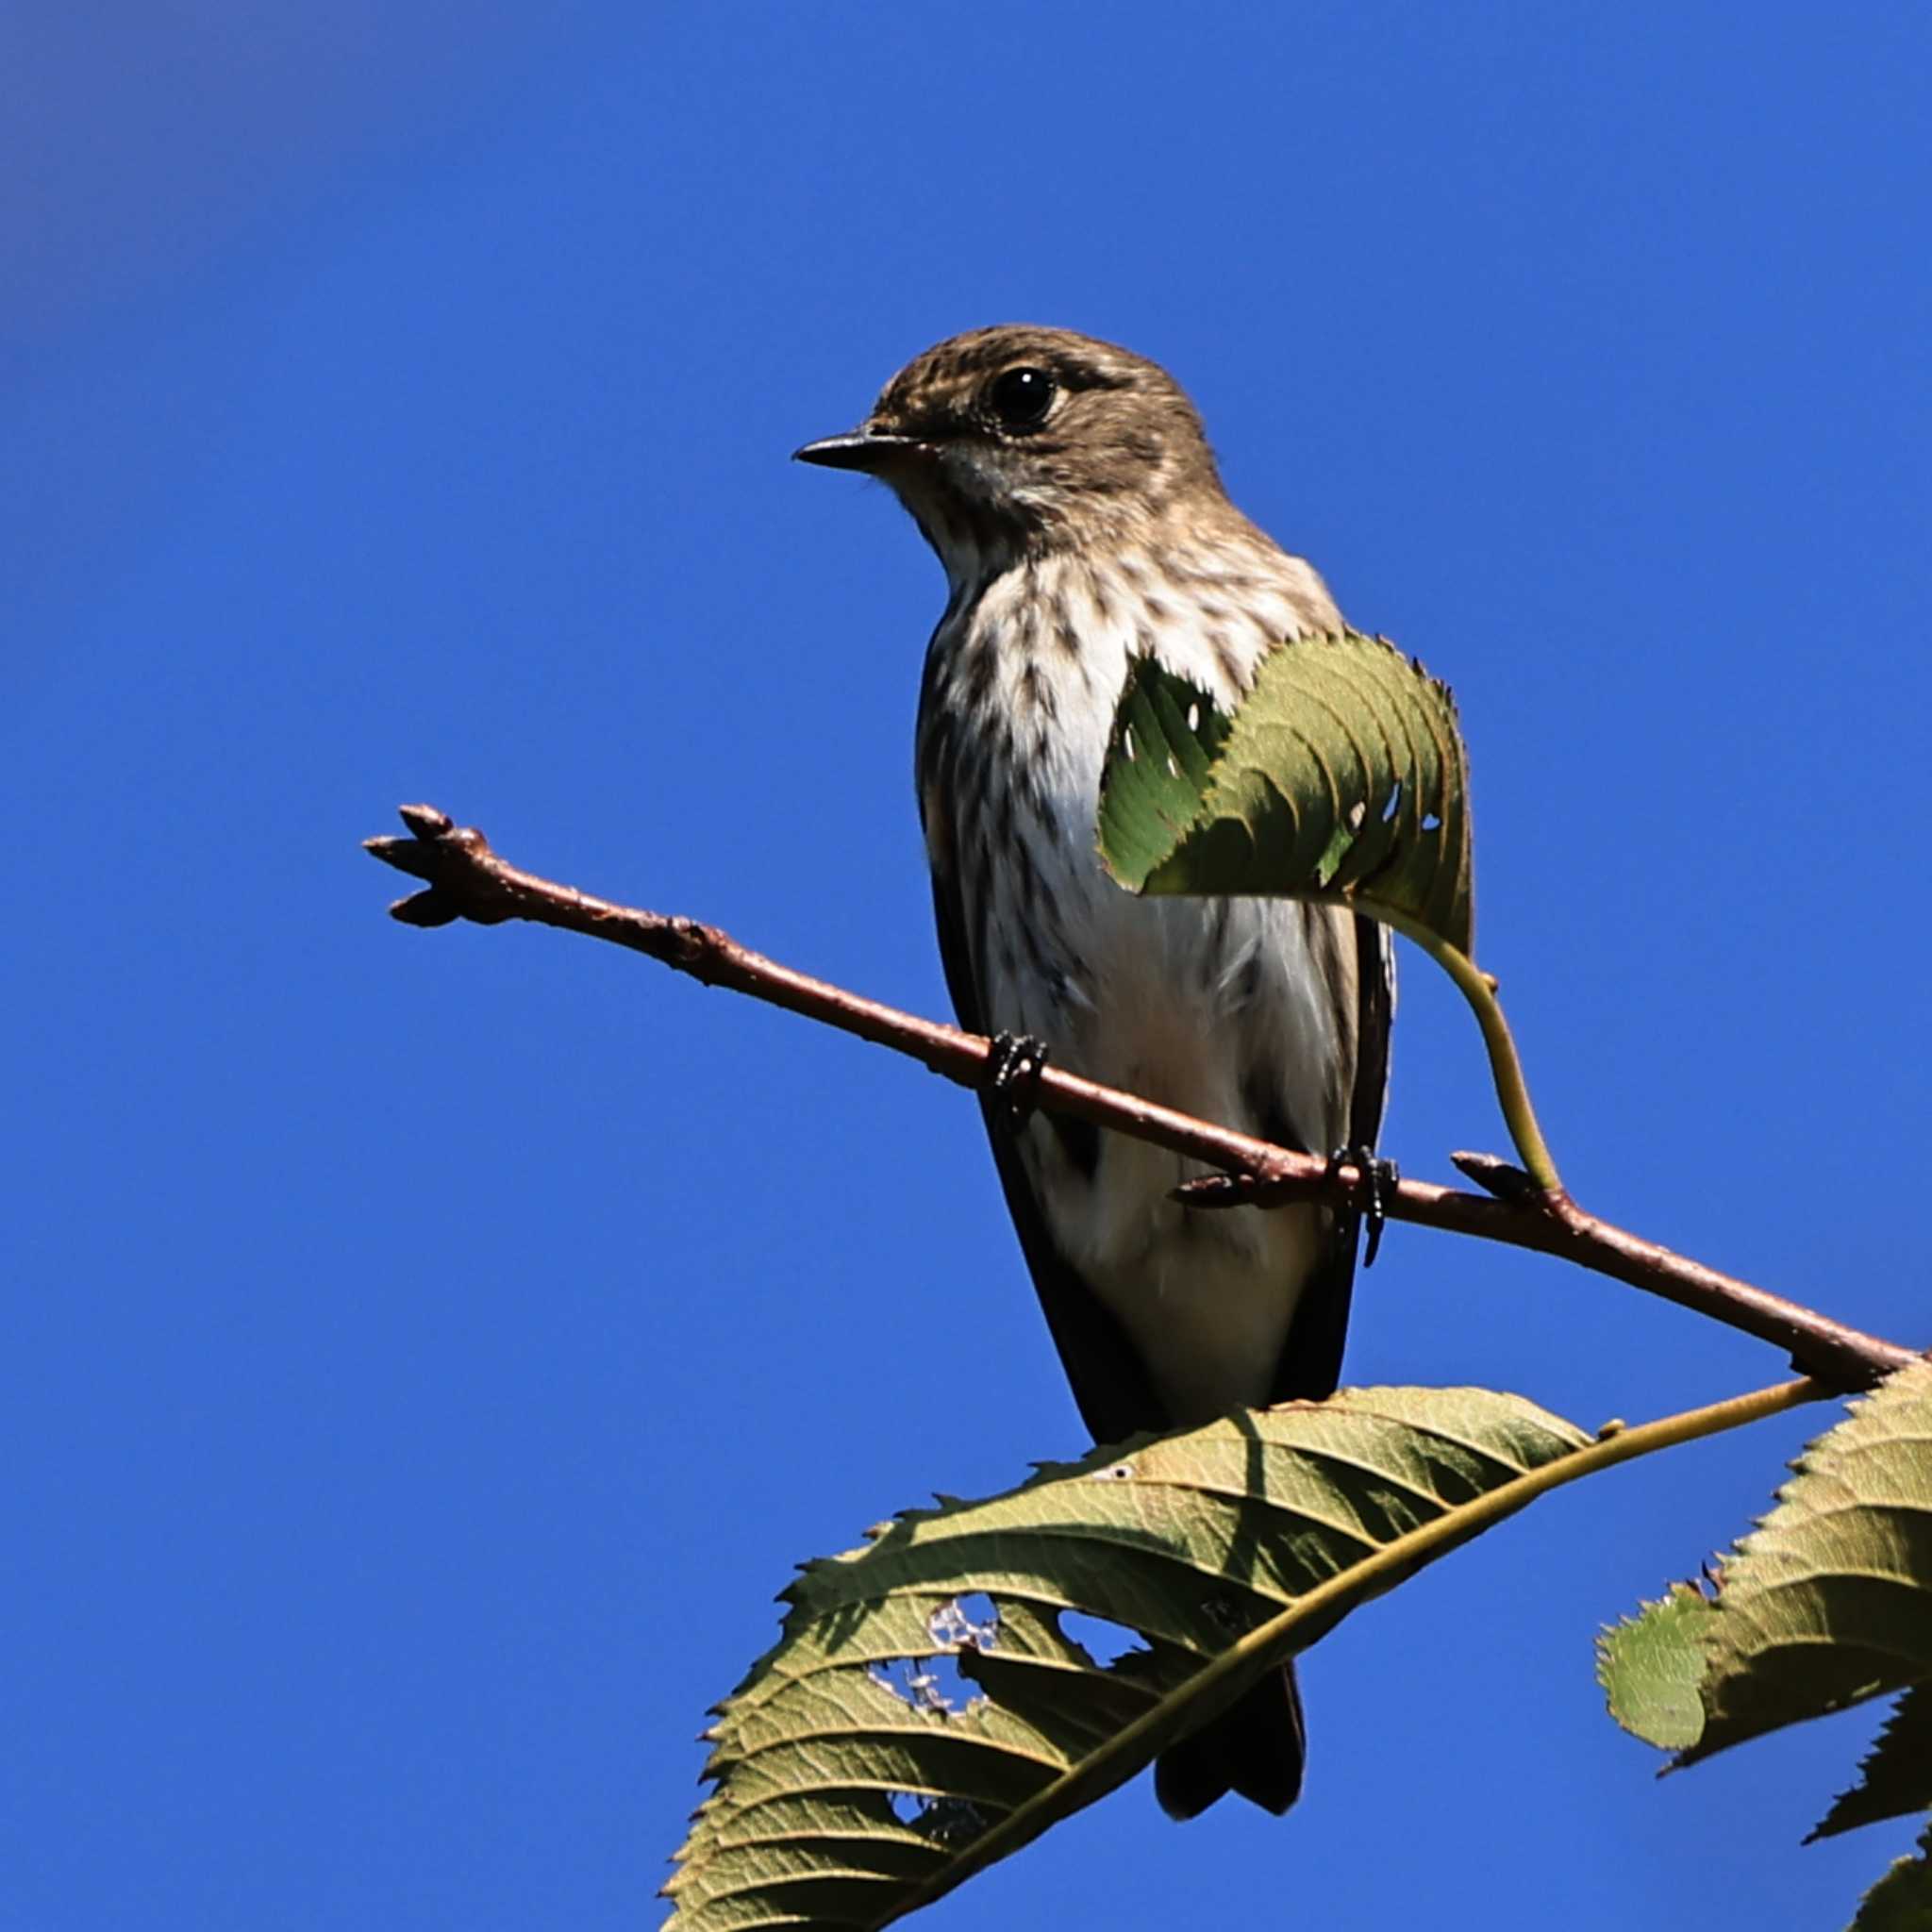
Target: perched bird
1070, 492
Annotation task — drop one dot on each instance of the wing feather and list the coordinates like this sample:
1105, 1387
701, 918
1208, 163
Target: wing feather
1111, 1387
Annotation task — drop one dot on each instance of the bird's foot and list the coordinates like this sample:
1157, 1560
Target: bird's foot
1377, 1178
1012, 1075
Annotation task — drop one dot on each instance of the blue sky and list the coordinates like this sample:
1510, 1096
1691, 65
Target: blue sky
428, 1354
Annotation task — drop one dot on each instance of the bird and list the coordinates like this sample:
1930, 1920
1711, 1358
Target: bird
1070, 492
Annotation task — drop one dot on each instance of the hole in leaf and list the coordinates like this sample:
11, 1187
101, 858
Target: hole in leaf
1225, 1611
1103, 1641
973, 1618
1394, 804
1128, 745
936, 1683
944, 1819
950, 1820
927, 1683
1193, 716
1431, 822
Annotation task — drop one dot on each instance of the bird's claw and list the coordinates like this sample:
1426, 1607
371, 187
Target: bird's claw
1012, 1075
1379, 1178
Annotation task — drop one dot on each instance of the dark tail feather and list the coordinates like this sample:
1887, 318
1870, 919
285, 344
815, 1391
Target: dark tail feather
1255, 1747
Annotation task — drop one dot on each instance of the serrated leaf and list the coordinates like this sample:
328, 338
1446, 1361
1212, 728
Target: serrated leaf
1341, 776
1902, 1900
1651, 1666
1828, 1602
1191, 1540
1896, 1775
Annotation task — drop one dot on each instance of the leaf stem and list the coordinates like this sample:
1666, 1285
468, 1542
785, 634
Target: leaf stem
1506, 1068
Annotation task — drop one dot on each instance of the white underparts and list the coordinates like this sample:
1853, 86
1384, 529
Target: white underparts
1224, 1009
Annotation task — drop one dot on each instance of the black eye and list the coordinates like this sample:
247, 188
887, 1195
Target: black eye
1020, 398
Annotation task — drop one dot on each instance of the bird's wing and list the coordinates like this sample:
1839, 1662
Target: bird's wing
1310, 1364
1110, 1385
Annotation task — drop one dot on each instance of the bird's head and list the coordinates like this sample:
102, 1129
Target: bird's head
1021, 440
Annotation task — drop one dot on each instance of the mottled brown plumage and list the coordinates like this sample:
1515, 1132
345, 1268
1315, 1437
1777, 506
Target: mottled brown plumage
1068, 491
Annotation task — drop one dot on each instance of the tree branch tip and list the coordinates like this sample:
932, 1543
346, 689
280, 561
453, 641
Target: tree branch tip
425, 910
432, 834
426, 821
1497, 1176
412, 856
464, 877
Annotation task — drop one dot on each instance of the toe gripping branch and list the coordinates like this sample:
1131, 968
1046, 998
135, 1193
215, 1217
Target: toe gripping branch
1012, 1075
1378, 1179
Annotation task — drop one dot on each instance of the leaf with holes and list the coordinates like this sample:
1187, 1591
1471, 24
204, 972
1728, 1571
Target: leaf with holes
853, 1782
1341, 776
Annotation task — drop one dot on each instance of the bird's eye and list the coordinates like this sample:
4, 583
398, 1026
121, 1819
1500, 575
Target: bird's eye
1020, 398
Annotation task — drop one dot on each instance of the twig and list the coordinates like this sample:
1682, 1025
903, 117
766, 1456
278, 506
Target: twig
465, 879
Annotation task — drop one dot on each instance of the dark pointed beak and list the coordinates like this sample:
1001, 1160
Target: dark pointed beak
860, 449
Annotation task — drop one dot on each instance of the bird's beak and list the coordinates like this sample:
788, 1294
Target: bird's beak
870, 449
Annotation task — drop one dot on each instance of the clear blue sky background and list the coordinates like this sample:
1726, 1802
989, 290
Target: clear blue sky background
425, 1354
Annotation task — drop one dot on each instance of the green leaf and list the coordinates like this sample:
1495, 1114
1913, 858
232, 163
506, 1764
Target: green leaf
1896, 1775
1341, 776
1826, 1603
1651, 1666
851, 1785
1902, 1900
1829, 1601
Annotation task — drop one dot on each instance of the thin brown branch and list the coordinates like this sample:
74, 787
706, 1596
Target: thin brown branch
465, 879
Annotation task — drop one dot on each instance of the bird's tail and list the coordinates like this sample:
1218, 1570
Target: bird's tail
1255, 1747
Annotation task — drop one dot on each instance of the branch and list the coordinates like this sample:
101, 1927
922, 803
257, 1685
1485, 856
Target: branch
465, 879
